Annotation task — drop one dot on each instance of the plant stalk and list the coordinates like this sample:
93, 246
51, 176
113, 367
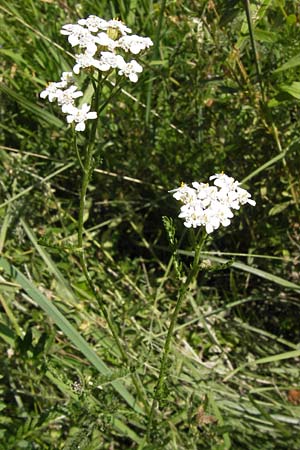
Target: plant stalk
86, 174
163, 366
272, 127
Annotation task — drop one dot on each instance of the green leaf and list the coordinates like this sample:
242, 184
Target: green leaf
291, 19
257, 13
265, 36
277, 209
293, 89
265, 360
249, 269
61, 169
279, 357
261, 273
6, 334
293, 62
64, 287
264, 166
217, 413
17, 58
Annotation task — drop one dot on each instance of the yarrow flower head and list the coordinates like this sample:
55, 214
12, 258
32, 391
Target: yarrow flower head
95, 36
102, 45
211, 206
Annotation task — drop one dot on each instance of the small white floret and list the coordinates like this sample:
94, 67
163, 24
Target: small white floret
79, 115
110, 60
116, 24
85, 60
68, 96
77, 35
106, 41
134, 44
94, 23
130, 70
51, 91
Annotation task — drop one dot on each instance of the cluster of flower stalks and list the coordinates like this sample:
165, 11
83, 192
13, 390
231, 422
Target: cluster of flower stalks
211, 206
103, 46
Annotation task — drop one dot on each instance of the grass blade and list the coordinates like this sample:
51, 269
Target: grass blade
64, 325
40, 113
63, 284
265, 360
246, 268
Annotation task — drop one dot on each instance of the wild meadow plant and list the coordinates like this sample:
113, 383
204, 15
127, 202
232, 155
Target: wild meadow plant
204, 209
103, 46
147, 343
100, 63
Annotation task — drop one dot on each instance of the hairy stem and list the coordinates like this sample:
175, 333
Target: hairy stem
163, 365
86, 166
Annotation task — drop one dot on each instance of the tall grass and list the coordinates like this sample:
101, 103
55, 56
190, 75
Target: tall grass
219, 92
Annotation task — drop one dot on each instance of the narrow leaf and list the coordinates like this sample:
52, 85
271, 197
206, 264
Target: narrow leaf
267, 359
64, 325
293, 62
65, 288
293, 89
249, 269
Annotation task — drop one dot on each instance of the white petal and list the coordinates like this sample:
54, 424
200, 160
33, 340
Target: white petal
73, 39
85, 107
80, 126
91, 115
209, 228
77, 94
76, 68
65, 109
133, 77
70, 119
135, 48
91, 48
52, 97
225, 222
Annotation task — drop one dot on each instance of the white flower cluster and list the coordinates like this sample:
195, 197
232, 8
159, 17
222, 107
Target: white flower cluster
100, 41
65, 93
211, 205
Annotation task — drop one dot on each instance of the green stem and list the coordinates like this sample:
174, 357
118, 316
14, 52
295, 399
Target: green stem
117, 89
76, 148
156, 57
294, 193
86, 173
272, 127
112, 327
86, 169
254, 48
163, 365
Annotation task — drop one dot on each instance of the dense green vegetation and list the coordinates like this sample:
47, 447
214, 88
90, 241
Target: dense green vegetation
219, 92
